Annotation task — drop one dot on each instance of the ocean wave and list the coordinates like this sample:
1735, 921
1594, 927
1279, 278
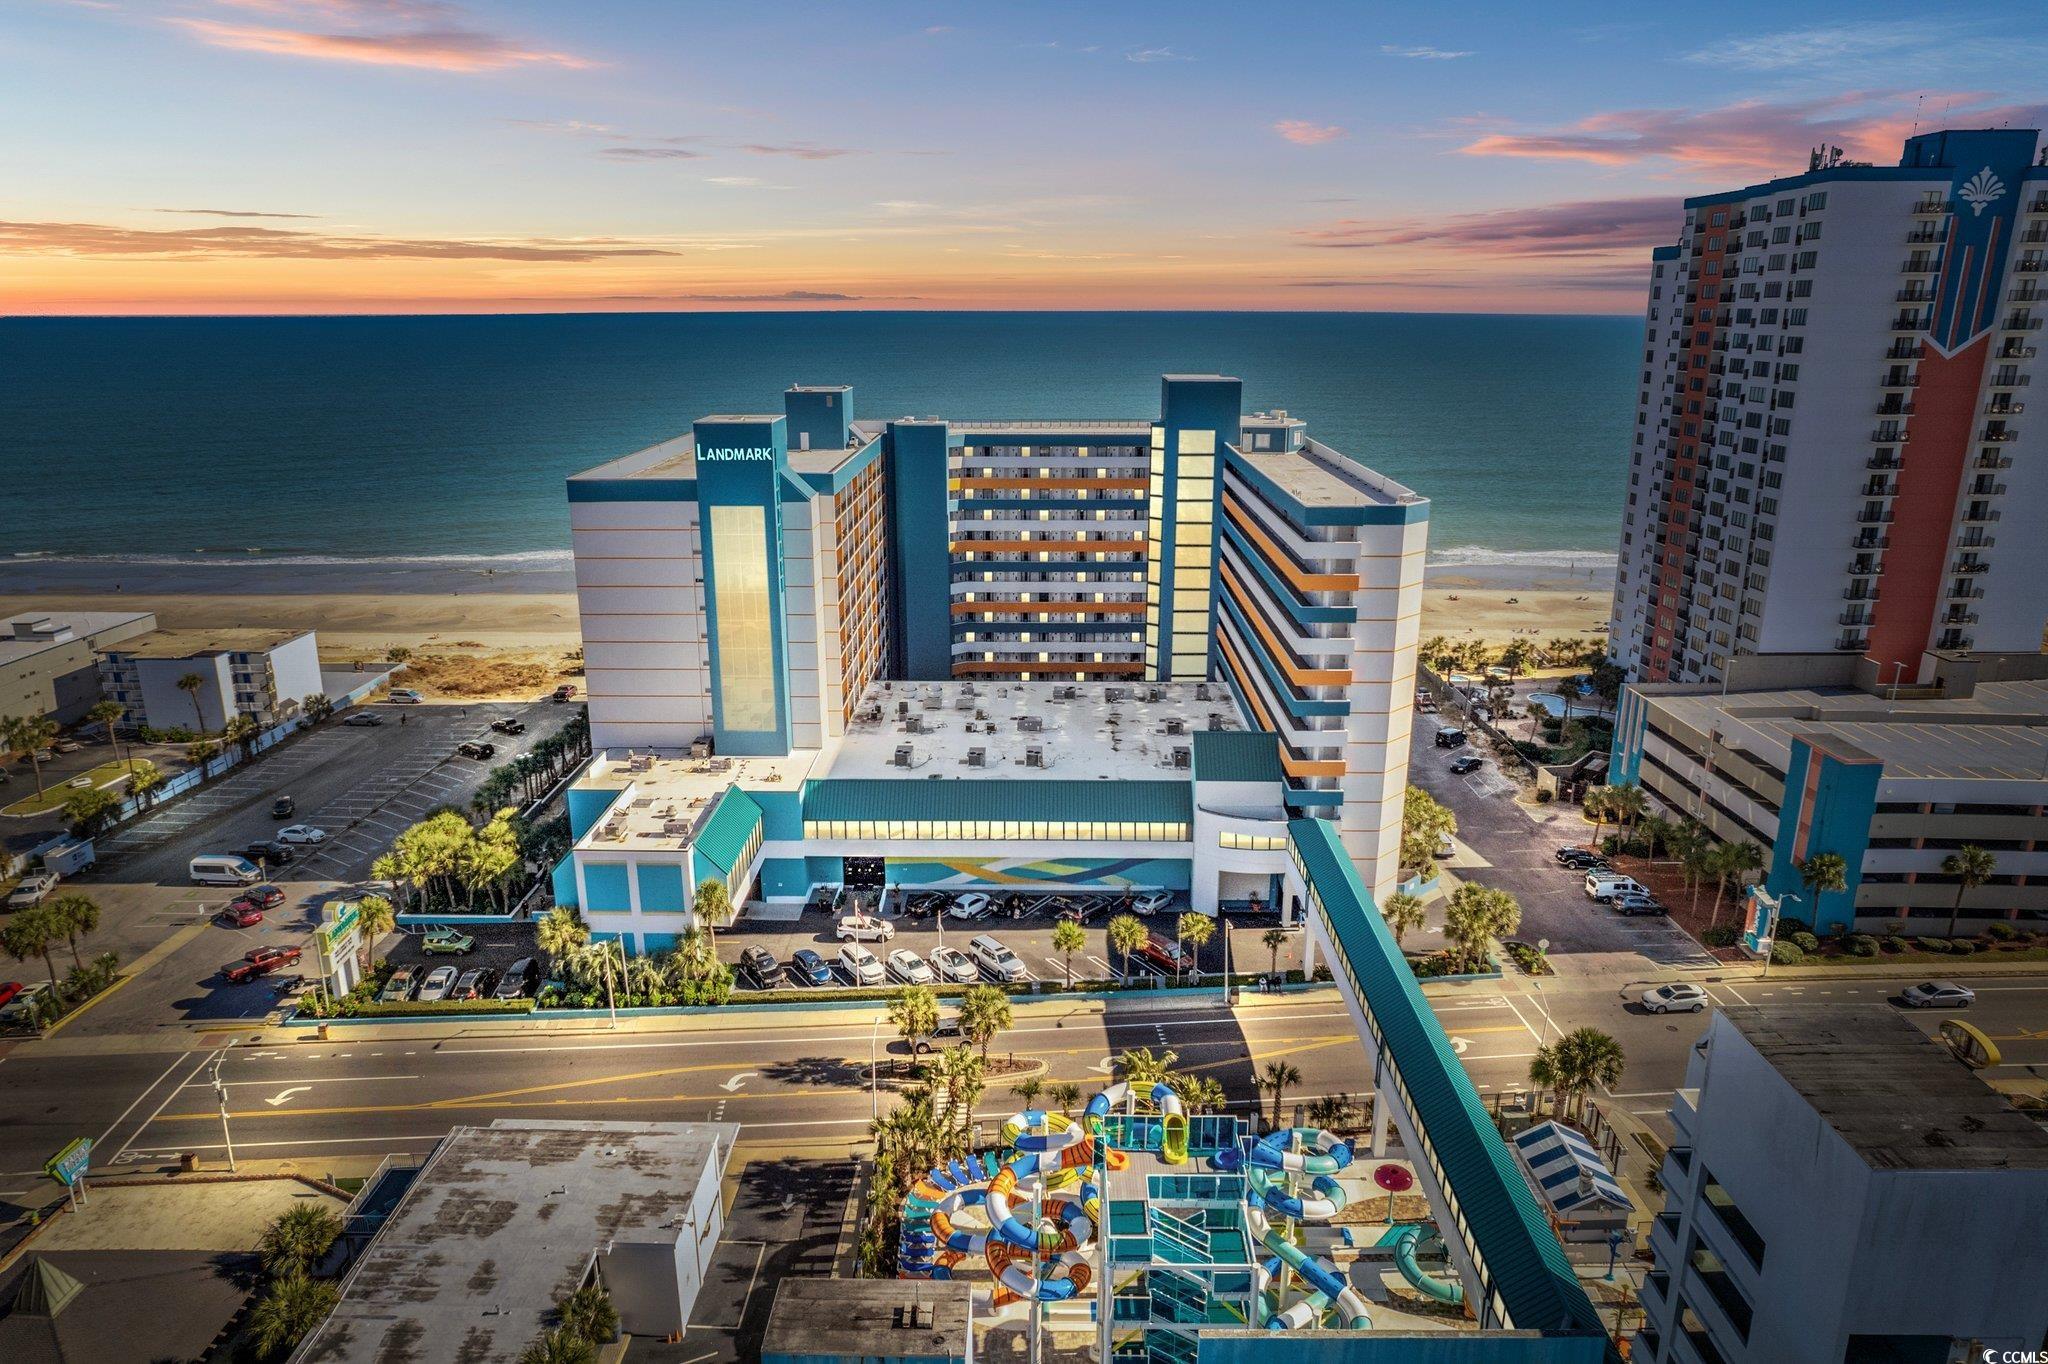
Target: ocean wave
1479, 556
524, 559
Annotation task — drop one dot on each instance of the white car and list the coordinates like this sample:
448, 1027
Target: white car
1664, 999
301, 833
862, 967
1937, 994
1152, 902
969, 906
24, 1005
954, 967
438, 983
865, 928
906, 966
994, 958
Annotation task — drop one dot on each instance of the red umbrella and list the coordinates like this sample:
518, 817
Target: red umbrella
1394, 1179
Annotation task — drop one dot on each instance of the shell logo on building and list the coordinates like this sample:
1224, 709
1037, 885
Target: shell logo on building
1981, 191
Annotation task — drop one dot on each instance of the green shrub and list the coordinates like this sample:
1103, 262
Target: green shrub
1788, 925
1934, 944
2003, 931
1962, 947
1786, 954
1805, 942
1720, 935
1861, 945
1894, 943
1545, 795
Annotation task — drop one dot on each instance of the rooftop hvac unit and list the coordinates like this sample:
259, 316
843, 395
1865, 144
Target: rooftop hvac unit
969, 690
1065, 693
700, 747
914, 725
675, 828
977, 757
1155, 693
1201, 691
1176, 726
1113, 694
1215, 721
933, 701
980, 714
964, 701
903, 708
902, 758
1034, 757
1030, 724
1181, 756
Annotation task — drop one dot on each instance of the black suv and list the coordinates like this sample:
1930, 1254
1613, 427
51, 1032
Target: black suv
473, 749
509, 726
284, 807
276, 854
1449, 738
760, 963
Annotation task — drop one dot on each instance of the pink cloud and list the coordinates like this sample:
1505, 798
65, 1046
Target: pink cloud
1584, 227
1752, 136
1305, 134
431, 39
202, 243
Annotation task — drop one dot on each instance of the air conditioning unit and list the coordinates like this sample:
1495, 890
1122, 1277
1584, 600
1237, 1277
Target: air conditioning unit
902, 708
977, 757
1182, 757
1176, 726
1034, 757
914, 725
1201, 691
1215, 721
902, 758
1113, 694
1030, 724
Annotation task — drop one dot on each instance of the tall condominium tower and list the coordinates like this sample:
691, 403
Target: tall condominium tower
1830, 454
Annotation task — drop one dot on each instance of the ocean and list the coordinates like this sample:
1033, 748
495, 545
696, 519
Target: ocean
274, 442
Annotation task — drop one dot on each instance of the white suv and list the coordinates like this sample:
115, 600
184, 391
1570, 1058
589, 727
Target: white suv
994, 958
862, 967
865, 928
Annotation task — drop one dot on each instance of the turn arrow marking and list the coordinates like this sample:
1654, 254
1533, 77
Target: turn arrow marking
1459, 1044
732, 1086
284, 1096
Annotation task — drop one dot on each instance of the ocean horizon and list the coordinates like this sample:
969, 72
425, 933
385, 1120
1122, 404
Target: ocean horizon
440, 442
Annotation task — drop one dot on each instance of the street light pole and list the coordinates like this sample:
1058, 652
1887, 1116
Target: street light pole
221, 1092
1543, 955
875, 1070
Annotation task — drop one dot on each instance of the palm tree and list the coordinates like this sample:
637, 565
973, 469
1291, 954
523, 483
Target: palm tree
143, 784
292, 1306
1331, 1111
1972, 866
190, 684
1656, 831
106, 713
1821, 874
73, 915
1195, 929
589, 1313
559, 1346
1702, 860
984, 1013
1598, 806
713, 907
90, 810
1626, 805
32, 933
1274, 939
376, 917
1477, 914
298, 1239
1278, 1077
1126, 934
29, 738
240, 730
1142, 1069
1067, 939
200, 752
1730, 861
1028, 1089
1065, 1094
914, 1013
1199, 1093
1403, 913
561, 934
1571, 1066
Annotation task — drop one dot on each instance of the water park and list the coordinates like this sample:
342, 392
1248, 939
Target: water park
1142, 1225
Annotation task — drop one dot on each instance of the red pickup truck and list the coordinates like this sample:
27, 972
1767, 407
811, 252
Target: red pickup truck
260, 961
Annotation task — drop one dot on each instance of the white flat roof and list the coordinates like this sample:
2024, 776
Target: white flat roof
672, 792
1082, 737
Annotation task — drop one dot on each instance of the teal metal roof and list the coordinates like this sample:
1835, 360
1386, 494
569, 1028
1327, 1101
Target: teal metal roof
1524, 1262
1237, 755
731, 824
956, 798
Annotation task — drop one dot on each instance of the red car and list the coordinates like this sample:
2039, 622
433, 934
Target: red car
260, 962
8, 990
240, 914
1165, 956
264, 896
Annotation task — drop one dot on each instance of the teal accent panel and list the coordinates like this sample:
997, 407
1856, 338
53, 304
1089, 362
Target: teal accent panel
703, 869
1237, 755
819, 418
1829, 803
587, 806
784, 878
726, 834
659, 942
920, 550
1079, 801
1625, 756
1199, 402
782, 814
606, 884
661, 888
827, 871
563, 879
1526, 1265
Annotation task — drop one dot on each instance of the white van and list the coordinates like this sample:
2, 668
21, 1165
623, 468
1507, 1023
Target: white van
862, 967
1605, 885
224, 869
404, 696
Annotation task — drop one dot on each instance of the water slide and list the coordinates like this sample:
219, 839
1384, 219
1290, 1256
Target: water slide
1292, 1175
1173, 1123
1407, 1243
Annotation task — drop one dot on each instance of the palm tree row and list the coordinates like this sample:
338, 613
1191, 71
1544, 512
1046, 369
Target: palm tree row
446, 859
531, 774
39, 930
29, 737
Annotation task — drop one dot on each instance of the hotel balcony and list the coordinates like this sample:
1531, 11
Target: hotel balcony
1883, 459
1676, 1170
1880, 487
1685, 1112
2000, 407
2015, 349
1873, 518
1907, 322
1922, 236
2021, 322
1850, 643
1890, 435
1905, 350
1894, 407
1991, 462
1858, 591
1867, 539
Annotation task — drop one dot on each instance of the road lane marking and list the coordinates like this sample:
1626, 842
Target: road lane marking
144, 1126
140, 1097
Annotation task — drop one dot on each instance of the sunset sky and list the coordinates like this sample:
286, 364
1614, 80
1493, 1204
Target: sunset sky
180, 156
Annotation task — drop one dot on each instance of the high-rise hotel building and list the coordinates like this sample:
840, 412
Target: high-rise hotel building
743, 586
1831, 450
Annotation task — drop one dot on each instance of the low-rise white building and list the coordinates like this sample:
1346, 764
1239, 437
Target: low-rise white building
48, 663
240, 672
1841, 1188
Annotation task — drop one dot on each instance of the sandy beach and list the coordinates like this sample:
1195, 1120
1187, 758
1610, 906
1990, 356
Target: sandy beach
526, 621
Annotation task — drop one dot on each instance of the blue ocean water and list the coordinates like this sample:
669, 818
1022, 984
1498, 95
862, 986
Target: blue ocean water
378, 438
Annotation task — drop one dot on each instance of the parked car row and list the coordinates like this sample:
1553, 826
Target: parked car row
983, 957
430, 985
